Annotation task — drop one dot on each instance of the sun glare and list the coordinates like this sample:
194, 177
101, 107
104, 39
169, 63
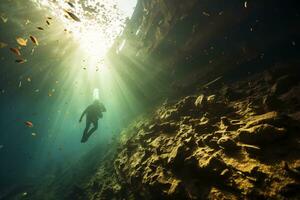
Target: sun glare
94, 24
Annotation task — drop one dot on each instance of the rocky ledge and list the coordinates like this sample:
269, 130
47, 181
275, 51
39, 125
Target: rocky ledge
237, 141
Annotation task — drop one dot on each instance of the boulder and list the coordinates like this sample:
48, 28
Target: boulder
261, 134
227, 144
284, 84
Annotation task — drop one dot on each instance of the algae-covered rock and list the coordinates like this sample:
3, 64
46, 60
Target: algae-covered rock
259, 134
212, 146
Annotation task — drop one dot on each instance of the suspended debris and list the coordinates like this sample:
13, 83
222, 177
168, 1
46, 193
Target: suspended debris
34, 40
20, 84
73, 16
27, 21
246, 4
40, 28
33, 134
206, 14
21, 41
28, 124
21, 61
15, 51
2, 45
29, 79
1, 146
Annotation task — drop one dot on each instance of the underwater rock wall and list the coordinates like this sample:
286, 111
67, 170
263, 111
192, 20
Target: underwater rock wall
237, 142
231, 137
182, 43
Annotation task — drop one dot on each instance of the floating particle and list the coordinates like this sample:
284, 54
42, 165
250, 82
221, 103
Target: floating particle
245, 4
34, 40
40, 28
21, 41
73, 16
37, 90
27, 21
20, 84
21, 61
293, 43
24, 193
1, 146
29, 79
15, 51
33, 134
28, 124
206, 14
2, 45
49, 94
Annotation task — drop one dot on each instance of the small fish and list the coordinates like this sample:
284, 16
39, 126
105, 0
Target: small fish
4, 19
70, 4
1, 146
34, 40
21, 61
15, 51
49, 18
21, 41
40, 28
48, 22
73, 16
28, 124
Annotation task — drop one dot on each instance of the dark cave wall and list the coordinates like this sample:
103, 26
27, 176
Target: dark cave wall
180, 43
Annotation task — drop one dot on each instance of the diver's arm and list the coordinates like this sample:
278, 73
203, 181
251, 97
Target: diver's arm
82, 115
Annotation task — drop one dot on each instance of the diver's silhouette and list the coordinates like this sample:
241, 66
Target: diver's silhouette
93, 113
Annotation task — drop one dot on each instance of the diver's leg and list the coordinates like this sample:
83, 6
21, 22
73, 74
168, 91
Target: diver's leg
85, 133
95, 123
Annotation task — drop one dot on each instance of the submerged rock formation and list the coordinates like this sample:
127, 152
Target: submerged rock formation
223, 143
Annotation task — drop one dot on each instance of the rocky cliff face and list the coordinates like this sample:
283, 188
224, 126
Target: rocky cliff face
181, 43
232, 137
239, 141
